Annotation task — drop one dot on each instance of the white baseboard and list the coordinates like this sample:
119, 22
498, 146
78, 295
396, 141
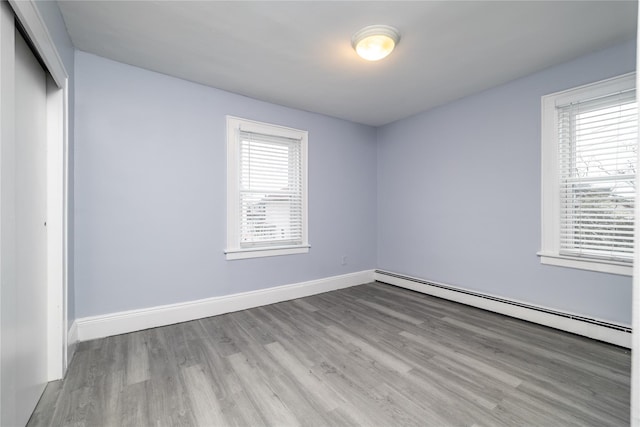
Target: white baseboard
89, 328
568, 322
72, 341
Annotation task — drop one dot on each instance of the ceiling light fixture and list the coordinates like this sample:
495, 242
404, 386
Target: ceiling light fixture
375, 41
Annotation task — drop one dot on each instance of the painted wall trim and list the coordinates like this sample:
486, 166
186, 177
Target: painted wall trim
635, 295
27, 13
613, 333
93, 327
72, 340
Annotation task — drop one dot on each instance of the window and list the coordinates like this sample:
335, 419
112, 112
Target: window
266, 190
589, 159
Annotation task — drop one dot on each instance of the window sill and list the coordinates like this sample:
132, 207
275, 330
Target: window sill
592, 265
233, 254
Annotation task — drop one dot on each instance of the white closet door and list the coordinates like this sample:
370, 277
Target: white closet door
31, 232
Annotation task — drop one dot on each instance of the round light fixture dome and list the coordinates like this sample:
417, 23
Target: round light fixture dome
375, 41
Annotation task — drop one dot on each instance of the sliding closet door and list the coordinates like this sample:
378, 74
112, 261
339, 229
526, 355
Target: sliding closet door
30, 228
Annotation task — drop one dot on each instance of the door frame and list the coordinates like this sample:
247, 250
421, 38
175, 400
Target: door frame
27, 14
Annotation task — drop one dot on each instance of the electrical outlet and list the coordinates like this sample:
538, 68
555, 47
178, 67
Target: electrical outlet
343, 261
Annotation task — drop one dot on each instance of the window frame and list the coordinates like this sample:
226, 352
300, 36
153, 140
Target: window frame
550, 171
234, 250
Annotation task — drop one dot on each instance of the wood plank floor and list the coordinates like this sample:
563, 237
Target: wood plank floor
371, 355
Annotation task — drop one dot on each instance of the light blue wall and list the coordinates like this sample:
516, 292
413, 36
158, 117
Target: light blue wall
150, 193
55, 24
459, 195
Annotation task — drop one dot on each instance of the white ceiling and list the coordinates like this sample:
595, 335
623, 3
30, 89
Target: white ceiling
299, 54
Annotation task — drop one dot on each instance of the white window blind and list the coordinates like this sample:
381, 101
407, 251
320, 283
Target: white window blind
597, 153
270, 190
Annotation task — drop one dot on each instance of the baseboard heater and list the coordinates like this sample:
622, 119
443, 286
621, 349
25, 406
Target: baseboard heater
593, 328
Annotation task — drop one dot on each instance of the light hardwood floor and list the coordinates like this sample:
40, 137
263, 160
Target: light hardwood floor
371, 355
